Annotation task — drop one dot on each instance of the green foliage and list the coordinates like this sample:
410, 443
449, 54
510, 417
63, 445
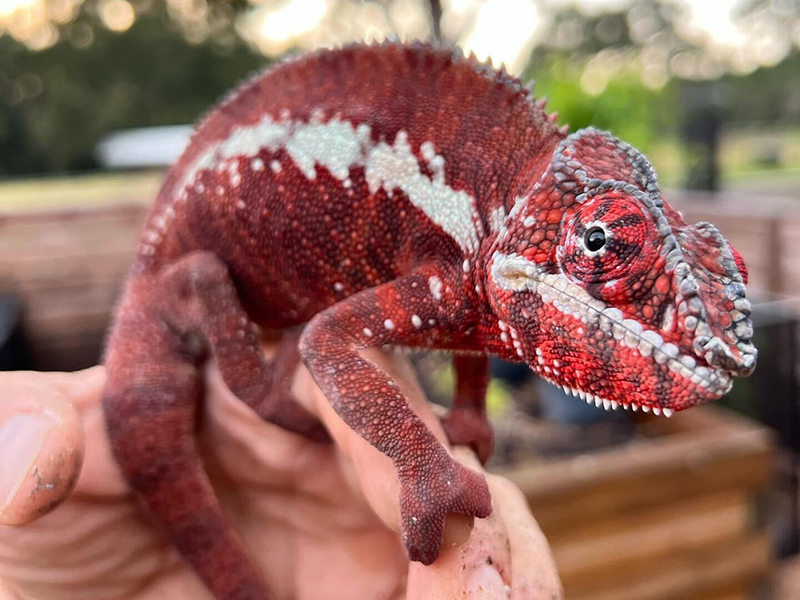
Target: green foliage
627, 108
56, 104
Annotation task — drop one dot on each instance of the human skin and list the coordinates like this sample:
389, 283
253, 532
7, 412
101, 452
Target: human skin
321, 521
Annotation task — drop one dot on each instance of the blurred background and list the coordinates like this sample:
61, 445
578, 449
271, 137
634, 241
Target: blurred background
97, 98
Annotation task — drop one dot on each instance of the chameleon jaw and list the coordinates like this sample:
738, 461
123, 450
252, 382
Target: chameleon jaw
612, 404
570, 303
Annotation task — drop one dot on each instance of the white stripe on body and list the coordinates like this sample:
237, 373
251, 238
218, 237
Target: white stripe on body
338, 146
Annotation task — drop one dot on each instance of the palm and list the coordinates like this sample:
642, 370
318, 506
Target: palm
314, 517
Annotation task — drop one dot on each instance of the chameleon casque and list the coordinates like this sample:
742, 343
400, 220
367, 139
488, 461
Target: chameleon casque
401, 194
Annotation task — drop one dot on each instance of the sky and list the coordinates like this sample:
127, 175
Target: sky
505, 30
711, 15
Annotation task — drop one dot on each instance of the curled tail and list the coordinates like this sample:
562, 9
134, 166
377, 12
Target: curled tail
151, 404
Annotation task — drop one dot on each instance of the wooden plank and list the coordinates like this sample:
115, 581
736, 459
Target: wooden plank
96, 191
612, 544
738, 564
60, 302
31, 288
701, 419
68, 268
115, 209
58, 241
24, 248
54, 327
644, 473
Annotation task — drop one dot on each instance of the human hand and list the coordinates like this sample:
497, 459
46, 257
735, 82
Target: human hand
320, 520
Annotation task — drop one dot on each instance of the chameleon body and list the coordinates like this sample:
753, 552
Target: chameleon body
402, 195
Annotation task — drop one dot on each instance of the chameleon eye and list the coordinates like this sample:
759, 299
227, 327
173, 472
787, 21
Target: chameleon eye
594, 239
608, 240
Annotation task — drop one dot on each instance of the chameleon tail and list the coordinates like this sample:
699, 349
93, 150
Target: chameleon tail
150, 403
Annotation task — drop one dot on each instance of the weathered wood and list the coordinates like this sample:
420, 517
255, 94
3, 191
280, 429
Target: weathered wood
731, 567
646, 472
67, 267
662, 518
646, 537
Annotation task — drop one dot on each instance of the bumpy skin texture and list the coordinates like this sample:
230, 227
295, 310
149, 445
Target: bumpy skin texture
403, 195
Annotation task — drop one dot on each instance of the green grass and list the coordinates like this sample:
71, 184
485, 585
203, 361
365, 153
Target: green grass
78, 191
739, 158
786, 180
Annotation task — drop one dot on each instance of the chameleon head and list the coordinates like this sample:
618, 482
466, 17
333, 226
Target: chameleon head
603, 289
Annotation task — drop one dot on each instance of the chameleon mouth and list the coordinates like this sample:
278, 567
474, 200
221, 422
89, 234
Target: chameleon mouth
600, 402
716, 381
572, 300
629, 333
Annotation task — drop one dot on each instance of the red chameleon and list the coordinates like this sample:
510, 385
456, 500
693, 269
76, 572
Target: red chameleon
410, 196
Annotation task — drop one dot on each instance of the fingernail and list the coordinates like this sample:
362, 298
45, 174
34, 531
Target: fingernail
22, 436
457, 528
485, 583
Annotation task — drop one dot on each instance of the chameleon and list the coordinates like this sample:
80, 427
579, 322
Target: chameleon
407, 195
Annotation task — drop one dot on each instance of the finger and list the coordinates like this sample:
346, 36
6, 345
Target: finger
81, 388
533, 573
238, 438
42, 445
100, 475
7, 594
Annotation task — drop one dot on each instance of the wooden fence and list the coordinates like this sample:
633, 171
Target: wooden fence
67, 266
765, 230
670, 516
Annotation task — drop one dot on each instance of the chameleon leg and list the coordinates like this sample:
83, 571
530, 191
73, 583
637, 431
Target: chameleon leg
400, 312
199, 299
467, 423
150, 402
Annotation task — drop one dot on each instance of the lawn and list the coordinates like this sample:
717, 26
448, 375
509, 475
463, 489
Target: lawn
37, 194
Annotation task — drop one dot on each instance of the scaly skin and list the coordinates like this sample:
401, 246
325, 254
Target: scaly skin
404, 195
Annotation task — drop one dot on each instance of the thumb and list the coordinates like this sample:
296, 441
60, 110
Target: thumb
41, 447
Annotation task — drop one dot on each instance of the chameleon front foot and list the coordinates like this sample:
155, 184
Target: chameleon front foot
283, 411
471, 428
426, 498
